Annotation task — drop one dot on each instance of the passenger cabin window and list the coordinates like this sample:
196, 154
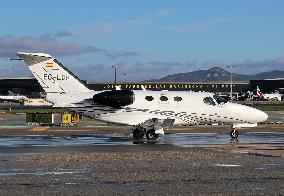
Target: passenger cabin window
177, 98
220, 100
149, 98
209, 101
164, 98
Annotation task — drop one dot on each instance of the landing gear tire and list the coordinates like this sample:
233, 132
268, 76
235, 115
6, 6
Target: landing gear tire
274, 99
234, 134
151, 135
138, 133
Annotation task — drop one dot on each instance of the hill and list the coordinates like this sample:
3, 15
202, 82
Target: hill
217, 74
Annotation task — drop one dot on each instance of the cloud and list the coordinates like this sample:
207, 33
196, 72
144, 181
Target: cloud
92, 72
157, 69
50, 43
64, 34
14, 70
139, 71
166, 66
102, 72
134, 71
114, 55
10, 44
250, 66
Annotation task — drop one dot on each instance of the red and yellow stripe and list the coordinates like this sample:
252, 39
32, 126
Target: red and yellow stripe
49, 64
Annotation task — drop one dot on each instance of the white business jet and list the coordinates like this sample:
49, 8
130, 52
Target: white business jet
149, 112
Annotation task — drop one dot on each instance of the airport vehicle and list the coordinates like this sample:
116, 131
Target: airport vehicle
149, 112
269, 96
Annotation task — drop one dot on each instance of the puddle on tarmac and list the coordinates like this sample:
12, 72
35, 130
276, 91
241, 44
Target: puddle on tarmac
18, 141
251, 138
182, 139
227, 165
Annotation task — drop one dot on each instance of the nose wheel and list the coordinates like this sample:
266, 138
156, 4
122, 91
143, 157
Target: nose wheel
234, 134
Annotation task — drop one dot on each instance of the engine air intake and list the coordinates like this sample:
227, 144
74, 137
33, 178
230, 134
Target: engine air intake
115, 98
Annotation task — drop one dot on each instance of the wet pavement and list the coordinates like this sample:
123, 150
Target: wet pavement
138, 170
180, 139
104, 161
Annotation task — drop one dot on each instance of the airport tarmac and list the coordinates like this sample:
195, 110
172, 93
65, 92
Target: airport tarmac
104, 161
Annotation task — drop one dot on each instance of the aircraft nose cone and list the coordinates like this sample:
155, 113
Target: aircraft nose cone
248, 114
260, 116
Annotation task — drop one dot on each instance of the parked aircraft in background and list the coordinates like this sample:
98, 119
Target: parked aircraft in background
13, 98
269, 96
149, 112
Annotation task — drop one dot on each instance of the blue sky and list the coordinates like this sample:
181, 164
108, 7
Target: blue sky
147, 39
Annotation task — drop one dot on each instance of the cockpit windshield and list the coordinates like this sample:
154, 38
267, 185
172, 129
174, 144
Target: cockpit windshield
220, 100
216, 100
209, 101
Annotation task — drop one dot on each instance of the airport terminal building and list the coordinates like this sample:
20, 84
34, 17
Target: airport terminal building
176, 86
30, 87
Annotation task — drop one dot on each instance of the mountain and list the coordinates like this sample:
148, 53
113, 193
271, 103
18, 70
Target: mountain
217, 74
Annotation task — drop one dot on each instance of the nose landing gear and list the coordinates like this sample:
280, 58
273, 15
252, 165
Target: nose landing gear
234, 133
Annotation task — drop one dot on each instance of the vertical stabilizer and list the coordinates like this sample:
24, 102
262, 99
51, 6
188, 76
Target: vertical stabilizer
259, 93
52, 75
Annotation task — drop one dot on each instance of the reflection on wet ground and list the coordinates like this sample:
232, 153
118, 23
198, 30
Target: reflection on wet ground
181, 139
252, 138
107, 164
22, 172
62, 171
18, 141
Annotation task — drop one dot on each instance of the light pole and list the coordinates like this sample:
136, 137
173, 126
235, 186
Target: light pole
115, 67
231, 95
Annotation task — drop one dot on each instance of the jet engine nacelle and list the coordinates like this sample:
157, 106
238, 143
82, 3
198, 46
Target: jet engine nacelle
115, 98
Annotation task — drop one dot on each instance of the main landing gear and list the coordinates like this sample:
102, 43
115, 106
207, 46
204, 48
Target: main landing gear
139, 132
148, 128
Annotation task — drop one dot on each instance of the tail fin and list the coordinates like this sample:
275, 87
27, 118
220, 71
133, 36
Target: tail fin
52, 75
259, 93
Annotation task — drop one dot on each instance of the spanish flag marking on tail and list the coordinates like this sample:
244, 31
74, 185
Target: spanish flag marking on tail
49, 64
